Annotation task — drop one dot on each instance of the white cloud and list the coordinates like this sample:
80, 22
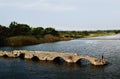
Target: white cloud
49, 6
45, 5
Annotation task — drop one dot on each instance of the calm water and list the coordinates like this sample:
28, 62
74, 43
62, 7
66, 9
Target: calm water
15, 68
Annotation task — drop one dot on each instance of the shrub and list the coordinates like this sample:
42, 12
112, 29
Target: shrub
50, 38
21, 40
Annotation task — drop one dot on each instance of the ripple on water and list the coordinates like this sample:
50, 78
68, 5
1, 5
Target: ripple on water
17, 68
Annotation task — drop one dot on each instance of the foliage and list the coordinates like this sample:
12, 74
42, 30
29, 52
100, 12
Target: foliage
50, 38
83, 34
4, 31
51, 31
21, 40
22, 34
19, 29
37, 32
24, 29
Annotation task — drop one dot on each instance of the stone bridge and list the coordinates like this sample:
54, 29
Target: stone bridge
51, 56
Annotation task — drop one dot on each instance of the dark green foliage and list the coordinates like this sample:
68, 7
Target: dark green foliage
37, 32
2, 41
22, 34
4, 31
19, 29
51, 31
23, 29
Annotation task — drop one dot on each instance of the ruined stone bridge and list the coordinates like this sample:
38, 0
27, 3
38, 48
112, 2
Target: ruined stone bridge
50, 56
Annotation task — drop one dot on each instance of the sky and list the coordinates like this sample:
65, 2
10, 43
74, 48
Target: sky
62, 14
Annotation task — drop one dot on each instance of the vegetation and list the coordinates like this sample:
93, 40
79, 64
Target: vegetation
21, 40
22, 34
86, 34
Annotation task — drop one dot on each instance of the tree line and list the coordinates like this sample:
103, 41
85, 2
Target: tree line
16, 29
83, 34
17, 34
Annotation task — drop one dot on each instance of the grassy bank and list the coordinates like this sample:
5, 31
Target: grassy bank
86, 34
17, 34
31, 40
21, 40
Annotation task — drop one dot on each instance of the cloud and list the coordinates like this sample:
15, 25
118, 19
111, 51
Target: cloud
44, 5
49, 6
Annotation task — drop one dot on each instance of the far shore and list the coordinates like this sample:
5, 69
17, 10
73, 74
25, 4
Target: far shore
106, 37
49, 40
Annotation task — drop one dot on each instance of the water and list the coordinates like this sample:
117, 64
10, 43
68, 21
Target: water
15, 68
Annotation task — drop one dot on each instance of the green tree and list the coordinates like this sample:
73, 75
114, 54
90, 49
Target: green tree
38, 32
19, 29
51, 31
4, 31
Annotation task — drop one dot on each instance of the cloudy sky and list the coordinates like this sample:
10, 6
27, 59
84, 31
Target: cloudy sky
62, 14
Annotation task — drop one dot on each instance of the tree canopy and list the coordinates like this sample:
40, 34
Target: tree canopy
17, 29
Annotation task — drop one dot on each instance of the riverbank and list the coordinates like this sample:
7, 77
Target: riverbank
22, 34
87, 34
31, 40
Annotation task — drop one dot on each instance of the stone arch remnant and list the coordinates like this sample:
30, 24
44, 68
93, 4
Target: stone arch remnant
52, 56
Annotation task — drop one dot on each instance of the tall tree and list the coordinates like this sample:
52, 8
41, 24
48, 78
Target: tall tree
19, 29
4, 31
51, 31
38, 32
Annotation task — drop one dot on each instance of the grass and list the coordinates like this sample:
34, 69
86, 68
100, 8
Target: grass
21, 40
30, 40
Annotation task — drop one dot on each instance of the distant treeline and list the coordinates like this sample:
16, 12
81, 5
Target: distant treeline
84, 34
17, 34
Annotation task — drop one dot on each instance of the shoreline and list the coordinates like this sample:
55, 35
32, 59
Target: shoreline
42, 41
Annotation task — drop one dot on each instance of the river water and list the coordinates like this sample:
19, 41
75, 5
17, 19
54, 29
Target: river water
15, 68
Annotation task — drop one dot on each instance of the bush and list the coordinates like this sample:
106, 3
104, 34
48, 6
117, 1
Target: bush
21, 40
50, 38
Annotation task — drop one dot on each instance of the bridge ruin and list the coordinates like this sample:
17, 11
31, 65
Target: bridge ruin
51, 56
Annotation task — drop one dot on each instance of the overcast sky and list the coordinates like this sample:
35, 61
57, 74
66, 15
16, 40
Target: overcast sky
62, 14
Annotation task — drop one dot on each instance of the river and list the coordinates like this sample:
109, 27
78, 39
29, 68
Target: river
109, 46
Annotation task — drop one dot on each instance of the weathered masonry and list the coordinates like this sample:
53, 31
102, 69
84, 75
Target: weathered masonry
50, 56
